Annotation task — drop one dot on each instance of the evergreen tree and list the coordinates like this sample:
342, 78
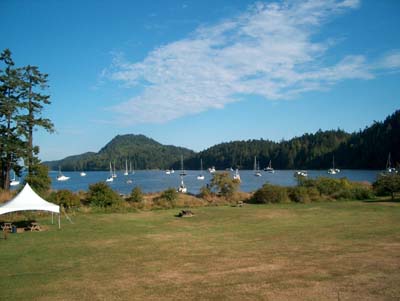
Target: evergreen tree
11, 144
34, 82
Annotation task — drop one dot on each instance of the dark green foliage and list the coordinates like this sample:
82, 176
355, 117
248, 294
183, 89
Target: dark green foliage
366, 149
136, 195
39, 179
387, 184
140, 151
170, 194
223, 184
21, 107
101, 195
270, 194
65, 198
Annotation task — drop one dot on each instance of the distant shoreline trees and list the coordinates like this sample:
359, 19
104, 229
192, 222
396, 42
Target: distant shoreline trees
22, 100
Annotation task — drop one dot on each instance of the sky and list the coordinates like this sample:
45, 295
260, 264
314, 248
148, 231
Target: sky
198, 73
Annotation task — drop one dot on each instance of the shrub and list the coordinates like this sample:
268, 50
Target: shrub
299, 194
387, 184
169, 195
224, 185
270, 194
65, 198
101, 195
136, 195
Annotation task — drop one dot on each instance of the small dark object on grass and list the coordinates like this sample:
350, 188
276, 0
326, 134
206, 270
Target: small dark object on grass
185, 213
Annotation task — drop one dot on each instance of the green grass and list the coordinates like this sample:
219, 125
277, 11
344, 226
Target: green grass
320, 251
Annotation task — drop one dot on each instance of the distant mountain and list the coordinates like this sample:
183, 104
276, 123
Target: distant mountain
366, 149
141, 151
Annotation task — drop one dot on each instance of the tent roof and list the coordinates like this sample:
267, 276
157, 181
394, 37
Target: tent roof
27, 199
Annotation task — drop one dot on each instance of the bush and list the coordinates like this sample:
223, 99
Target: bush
65, 198
101, 195
136, 195
270, 194
387, 184
299, 194
224, 185
169, 195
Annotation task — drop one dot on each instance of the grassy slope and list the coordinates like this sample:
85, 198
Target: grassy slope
322, 251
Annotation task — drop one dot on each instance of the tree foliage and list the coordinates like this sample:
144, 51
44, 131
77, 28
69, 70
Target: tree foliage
21, 106
101, 195
387, 184
223, 184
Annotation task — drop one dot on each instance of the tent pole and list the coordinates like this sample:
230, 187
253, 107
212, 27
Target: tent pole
59, 220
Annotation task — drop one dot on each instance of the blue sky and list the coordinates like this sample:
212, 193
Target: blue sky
197, 73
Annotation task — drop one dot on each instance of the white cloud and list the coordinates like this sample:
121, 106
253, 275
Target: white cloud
268, 51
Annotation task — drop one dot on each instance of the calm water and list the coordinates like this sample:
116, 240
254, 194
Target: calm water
153, 181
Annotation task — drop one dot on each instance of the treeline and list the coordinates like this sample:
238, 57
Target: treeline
366, 149
22, 100
139, 151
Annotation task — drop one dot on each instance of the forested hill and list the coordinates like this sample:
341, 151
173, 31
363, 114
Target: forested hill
368, 148
139, 150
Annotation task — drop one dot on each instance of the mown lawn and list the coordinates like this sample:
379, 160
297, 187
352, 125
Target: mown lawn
321, 251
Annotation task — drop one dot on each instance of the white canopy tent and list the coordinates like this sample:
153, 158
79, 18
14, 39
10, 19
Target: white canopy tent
27, 199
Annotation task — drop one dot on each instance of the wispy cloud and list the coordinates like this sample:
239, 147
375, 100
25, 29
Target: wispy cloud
268, 50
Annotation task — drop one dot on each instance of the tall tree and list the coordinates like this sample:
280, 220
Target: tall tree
11, 144
34, 82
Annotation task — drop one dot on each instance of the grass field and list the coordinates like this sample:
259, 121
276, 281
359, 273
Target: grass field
320, 251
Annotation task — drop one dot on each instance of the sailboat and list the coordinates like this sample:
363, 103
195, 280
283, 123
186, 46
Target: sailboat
236, 176
114, 174
110, 178
130, 168
211, 169
126, 168
201, 176
389, 168
182, 188
333, 170
257, 172
182, 173
83, 174
60, 176
269, 168
13, 181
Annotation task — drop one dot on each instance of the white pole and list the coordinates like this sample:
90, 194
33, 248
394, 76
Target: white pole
59, 220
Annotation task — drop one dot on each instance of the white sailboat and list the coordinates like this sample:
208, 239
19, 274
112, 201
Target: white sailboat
167, 172
389, 168
182, 173
13, 181
126, 168
333, 170
236, 176
131, 169
110, 178
301, 173
211, 170
257, 172
269, 168
182, 188
60, 176
201, 176
114, 173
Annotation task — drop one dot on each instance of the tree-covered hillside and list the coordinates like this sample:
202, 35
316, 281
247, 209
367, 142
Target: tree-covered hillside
140, 151
368, 149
